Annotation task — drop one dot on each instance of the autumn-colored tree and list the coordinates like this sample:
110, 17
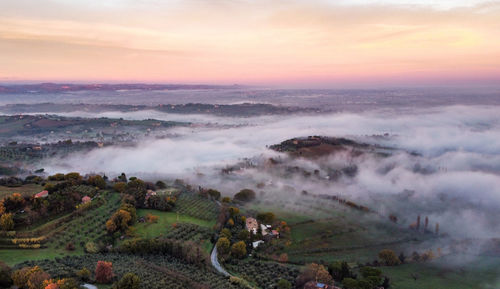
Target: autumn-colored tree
36, 279
2, 207
150, 218
233, 211
73, 177
120, 221
97, 181
111, 226
230, 222
223, 245
91, 247
226, 200
30, 277
66, 283
13, 202
6, 222
266, 218
239, 250
56, 177
84, 274
314, 272
120, 187
128, 281
52, 285
283, 258
104, 272
389, 257
226, 233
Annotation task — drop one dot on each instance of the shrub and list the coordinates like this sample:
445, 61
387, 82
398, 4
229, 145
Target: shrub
388, 257
128, 281
104, 272
283, 284
70, 246
239, 249
120, 187
29, 277
245, 195
214, 194
91, 247
223, 245
6, 222
266, 218
84, 274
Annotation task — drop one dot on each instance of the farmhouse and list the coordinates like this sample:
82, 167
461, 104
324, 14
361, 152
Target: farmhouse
42, 194
257, 243
264, 230
252, 225
150, 193
86, 199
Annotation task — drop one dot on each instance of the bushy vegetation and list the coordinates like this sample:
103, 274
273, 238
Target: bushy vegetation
194, 205
154, 271
187, 231
264, 274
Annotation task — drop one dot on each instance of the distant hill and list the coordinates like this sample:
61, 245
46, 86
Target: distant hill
65, 87
317, 146
236, 110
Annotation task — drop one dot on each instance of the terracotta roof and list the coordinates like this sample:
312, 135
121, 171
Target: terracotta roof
42, 194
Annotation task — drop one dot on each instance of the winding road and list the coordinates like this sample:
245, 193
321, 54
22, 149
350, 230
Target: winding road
216, 264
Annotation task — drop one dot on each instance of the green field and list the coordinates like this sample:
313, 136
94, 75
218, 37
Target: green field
165, 222
326, 231
478, 272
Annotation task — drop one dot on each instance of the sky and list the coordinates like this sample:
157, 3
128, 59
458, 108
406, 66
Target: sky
256, 42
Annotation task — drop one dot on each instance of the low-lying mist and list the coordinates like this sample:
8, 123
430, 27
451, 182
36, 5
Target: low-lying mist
446, 162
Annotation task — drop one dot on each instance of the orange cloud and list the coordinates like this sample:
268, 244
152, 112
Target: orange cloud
248, 42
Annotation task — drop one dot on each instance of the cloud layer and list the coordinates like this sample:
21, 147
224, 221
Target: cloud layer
270, 42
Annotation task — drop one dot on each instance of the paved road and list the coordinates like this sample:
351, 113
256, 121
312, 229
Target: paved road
215, 263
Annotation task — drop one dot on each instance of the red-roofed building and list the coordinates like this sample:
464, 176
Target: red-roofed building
86, 199
42, 194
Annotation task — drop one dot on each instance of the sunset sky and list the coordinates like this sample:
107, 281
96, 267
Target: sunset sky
263, 42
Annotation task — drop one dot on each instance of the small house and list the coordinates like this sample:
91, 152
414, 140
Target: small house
257, 243
149, 193
264, 229
42, 194
252, 225
86, 199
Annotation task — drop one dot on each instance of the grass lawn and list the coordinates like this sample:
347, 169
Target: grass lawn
165, 221
13, 257
480, 272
